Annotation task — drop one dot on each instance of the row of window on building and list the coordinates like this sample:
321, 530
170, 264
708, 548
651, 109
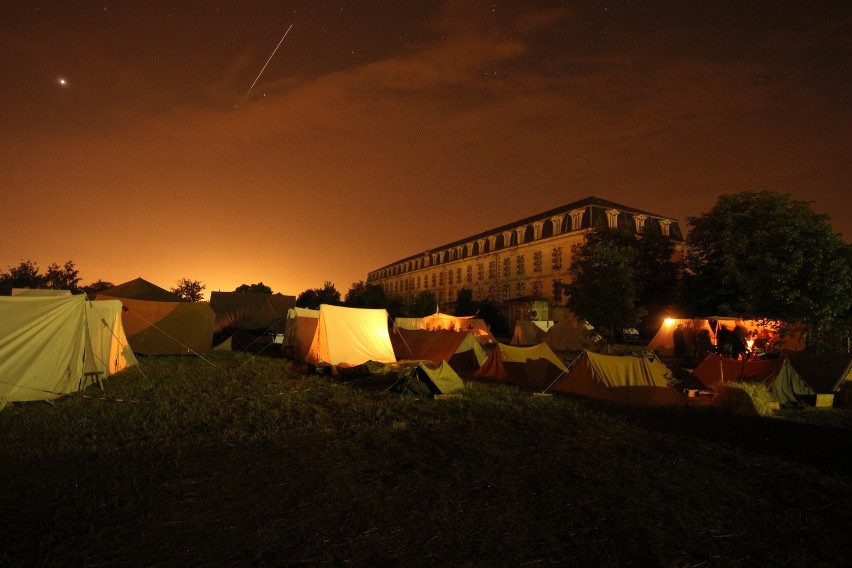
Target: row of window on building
506, 291
459, 276
492, 243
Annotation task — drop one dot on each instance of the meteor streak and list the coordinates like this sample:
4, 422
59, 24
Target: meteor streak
264, 66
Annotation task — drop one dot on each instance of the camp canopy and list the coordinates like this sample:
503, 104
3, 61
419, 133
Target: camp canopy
439, 321
47, 345
785, 385
461, 350
788, 338
348, 336
529, 367
627, 379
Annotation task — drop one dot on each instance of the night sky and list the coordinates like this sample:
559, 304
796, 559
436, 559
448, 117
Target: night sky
131, 143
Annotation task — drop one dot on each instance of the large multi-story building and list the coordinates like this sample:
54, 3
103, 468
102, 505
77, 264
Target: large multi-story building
526, 259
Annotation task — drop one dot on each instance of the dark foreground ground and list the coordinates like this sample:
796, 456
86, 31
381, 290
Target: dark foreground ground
222, 467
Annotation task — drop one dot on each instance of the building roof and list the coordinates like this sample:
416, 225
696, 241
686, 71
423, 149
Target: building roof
591, 201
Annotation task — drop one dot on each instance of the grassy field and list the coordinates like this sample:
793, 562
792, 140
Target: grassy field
246, 462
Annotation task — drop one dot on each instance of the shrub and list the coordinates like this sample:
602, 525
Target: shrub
746, 399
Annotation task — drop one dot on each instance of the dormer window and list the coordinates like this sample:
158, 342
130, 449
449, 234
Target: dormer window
612, 218
640, 222
557, 224
576, 219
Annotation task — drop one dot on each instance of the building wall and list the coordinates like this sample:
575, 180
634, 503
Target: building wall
524, 259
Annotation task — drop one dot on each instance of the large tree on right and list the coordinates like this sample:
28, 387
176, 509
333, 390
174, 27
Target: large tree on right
767, 255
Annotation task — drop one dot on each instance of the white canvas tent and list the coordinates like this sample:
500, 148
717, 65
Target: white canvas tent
439, 321
41, 292
49, 344
341, 336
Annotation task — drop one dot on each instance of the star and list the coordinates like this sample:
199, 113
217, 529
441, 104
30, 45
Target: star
63, 82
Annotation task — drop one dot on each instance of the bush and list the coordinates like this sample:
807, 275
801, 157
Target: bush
746, 399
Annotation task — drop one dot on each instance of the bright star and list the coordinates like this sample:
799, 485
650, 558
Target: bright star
63, 82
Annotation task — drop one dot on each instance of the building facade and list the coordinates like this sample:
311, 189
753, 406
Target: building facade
526, 259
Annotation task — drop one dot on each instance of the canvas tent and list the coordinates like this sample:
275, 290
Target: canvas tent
427, 379
48, 345
784, 383
249, 321
533, 367
141, 289
40, 292
167, 328
251, 311
341, 336
460, 350
300, 331
439, 321
789, 339
826, 373
571, 334
529, 332
627, 379
157, 323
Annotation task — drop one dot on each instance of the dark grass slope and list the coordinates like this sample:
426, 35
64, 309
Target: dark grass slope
249, 464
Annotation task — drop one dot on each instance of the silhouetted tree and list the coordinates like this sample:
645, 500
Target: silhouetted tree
604, 289
361, 295
189, 290
491, 312
259, 288
765, 255
643, 263
465, 306
424, 304
397, 307
91, 290
65, 277
25, 275
314, 297
658, 278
